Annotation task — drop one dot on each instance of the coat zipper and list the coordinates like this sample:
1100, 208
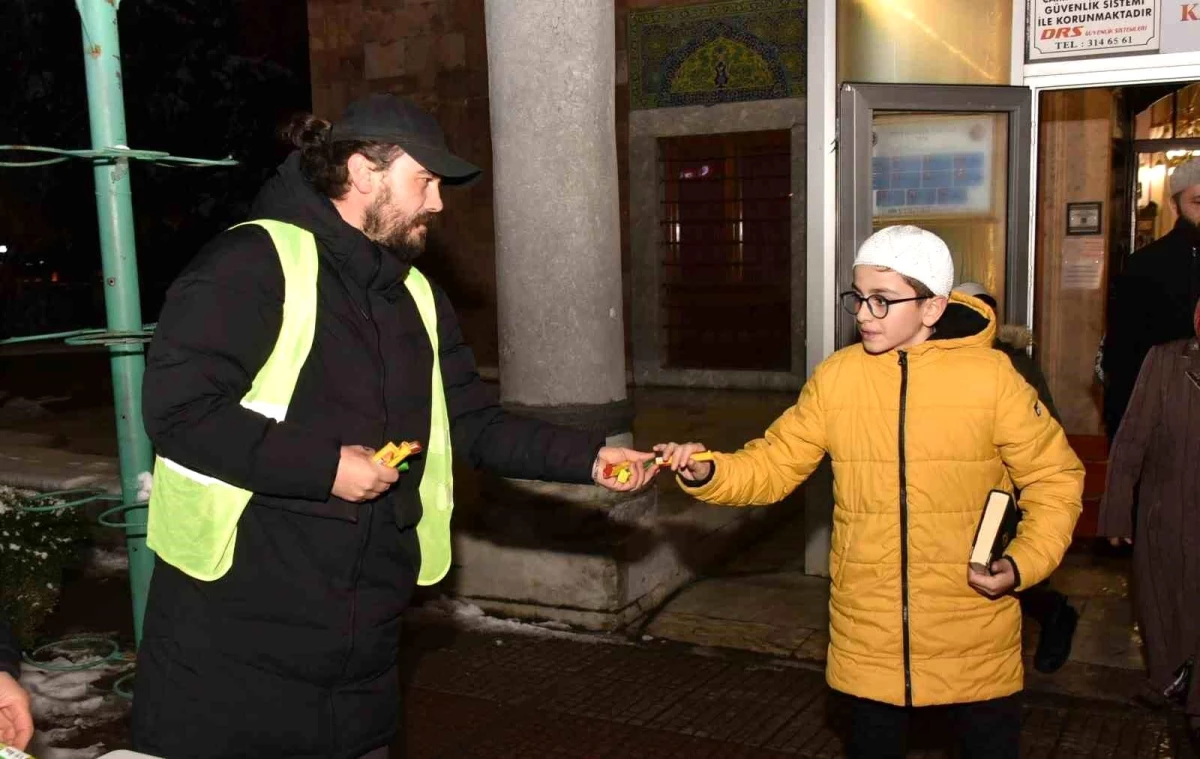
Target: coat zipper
382, 362
358, 561
368, 316
904, 529
366, 533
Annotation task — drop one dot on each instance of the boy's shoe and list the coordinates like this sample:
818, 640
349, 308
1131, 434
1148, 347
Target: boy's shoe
1054, 644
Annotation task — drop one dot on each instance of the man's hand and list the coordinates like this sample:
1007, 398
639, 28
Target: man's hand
1000, 581
680, 456
359, 478
16, 723
1118, 542
639, 475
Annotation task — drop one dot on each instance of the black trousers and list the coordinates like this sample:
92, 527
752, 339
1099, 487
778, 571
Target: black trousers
982, 729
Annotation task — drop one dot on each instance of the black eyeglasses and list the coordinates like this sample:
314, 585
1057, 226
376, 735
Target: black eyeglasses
876, 303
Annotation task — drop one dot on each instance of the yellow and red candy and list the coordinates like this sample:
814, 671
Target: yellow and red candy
394, 455
624, 470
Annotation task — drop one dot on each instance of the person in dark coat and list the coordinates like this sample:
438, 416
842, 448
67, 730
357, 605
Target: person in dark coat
1152, 299
16, 723
1055, 616
292, 653
1155, 461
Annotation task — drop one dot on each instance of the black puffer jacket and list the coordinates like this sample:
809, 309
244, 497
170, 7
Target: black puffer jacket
292, 653
1152, 303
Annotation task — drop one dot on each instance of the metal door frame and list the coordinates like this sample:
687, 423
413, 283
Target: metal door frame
857, 104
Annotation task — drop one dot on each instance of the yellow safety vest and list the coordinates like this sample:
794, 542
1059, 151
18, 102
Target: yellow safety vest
192, 522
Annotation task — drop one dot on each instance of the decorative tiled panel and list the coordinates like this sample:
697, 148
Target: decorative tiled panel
716, 53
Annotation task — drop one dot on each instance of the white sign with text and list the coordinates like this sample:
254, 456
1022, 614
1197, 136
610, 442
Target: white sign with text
1089, 28
1180, 26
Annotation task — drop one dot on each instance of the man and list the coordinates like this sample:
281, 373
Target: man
16, 724
1153, 298
286, 554
1055, 616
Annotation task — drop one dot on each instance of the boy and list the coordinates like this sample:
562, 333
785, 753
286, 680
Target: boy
920, 425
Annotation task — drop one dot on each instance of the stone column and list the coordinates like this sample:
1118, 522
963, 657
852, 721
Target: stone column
551, 69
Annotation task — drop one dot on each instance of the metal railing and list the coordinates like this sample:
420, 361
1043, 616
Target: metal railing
125, 333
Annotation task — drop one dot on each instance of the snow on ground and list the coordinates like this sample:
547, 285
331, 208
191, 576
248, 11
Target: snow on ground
53, 752
470, 617
106, 562
66, 703
14, 408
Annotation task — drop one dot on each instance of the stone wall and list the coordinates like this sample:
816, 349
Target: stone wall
435, 52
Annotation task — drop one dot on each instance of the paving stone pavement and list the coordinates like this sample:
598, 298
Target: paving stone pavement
489, 696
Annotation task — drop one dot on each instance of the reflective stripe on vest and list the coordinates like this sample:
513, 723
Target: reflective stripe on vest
192, 522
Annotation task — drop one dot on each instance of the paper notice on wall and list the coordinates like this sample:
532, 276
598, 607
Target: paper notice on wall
1082, 263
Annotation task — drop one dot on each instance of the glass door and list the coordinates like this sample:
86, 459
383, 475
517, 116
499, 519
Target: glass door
951, 159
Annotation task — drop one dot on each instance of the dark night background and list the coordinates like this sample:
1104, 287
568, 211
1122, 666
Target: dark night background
202, 78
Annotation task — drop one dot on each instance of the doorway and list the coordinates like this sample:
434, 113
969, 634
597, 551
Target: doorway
1104, 158
952, 159
957, 161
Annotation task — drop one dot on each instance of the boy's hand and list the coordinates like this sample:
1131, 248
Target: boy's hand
1000, 581
680, 456
16, 724
639, 474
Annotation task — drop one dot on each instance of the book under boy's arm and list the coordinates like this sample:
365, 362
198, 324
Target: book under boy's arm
766, 470
1048, 473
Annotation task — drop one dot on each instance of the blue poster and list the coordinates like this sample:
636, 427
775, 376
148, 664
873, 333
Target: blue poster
933, 165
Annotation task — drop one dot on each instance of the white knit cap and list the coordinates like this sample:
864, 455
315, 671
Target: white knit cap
913, 252
1185, 175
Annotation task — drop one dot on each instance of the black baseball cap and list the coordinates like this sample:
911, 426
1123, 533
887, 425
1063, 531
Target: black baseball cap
397, 120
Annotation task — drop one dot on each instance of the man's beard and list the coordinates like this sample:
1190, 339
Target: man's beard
393, 230
1192, 226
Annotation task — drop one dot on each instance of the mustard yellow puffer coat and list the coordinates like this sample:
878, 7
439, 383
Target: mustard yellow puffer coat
917, 439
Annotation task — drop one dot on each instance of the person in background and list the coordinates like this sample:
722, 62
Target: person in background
16, 722
1055, 616
1152, 299
1154, 462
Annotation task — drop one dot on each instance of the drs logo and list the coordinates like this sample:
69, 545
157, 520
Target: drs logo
1062, 32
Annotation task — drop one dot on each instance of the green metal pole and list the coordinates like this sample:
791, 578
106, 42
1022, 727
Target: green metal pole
122, 301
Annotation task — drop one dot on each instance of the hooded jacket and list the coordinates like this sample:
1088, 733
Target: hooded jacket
307, 619
917, 439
